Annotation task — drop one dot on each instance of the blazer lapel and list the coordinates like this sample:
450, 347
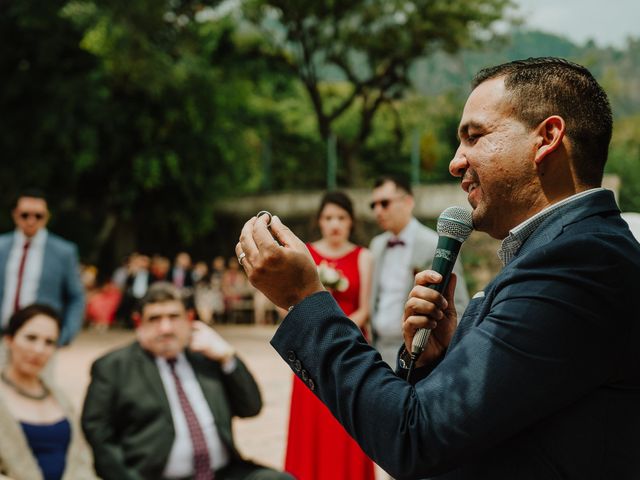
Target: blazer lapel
594, 204
548, 230
6, 243
211, 387
378, 246
150, 375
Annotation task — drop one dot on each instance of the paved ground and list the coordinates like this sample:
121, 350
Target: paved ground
262, 438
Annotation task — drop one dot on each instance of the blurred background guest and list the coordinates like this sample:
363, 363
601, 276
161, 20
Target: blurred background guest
318, 448
405, 248
38, 266
238, 293
203, 295
215, 280
41, 438
137, 282
181, 272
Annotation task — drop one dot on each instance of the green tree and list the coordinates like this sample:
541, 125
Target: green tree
132, 115
370, 45
624, 160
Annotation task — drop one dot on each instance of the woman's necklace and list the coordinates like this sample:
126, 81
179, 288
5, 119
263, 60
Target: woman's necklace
20, 391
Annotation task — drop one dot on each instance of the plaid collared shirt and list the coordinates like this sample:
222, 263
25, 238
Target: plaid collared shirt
518, 235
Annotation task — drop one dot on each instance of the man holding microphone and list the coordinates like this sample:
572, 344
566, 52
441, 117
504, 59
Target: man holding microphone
541, 378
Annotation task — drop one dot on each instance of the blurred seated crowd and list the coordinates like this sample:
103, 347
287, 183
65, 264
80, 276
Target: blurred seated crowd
218, 291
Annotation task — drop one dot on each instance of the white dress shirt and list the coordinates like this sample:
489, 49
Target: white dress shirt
30, 275
392, 293
180, 461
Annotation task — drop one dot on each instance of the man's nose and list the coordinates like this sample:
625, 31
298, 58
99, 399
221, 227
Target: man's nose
458, 164
165, 324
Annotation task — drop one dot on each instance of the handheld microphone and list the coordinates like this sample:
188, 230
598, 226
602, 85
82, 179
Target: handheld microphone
454, 227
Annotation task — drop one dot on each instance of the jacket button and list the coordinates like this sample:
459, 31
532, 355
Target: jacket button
311, 384
297, 365
291, 356
305, 375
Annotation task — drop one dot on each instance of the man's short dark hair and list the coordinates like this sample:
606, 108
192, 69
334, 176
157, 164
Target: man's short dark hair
160, 292
31, 193
401, 183
545, 86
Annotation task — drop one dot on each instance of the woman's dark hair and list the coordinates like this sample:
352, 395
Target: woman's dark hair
22, 316
338, 198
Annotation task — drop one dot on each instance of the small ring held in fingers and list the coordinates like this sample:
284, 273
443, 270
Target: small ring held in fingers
264, 212
241, 257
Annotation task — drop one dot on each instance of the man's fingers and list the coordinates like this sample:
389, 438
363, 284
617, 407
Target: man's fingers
261, 234
428, 277
282, 233
430, 295
415, 322
450, 292
247, 245
421, 307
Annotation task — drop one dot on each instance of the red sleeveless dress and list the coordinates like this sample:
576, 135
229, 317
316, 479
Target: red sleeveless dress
318, 447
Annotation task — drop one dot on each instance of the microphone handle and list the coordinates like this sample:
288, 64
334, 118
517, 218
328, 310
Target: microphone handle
443, 261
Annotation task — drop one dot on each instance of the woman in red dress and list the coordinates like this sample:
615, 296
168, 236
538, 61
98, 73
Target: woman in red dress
318, 448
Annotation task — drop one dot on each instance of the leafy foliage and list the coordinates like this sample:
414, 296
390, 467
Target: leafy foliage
137, 116
368, 45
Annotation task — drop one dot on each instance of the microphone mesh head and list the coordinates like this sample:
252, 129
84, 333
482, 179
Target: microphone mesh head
455, 222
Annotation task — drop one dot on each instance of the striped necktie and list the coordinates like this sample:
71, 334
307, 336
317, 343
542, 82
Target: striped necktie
23, 261
201, 461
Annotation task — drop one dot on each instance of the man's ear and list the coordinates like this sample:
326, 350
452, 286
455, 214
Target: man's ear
551, 132
136, 318
191, 314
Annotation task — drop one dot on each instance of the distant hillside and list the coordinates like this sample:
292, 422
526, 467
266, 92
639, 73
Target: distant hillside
617, 70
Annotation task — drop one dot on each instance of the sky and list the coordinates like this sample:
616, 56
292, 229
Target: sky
607, 22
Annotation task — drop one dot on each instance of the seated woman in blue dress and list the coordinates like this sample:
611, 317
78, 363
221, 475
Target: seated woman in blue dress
40, 437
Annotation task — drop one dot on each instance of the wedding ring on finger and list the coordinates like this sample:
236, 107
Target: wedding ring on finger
241, 257
264, 212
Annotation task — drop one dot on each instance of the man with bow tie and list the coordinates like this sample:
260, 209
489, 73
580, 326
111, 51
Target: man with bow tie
405, 248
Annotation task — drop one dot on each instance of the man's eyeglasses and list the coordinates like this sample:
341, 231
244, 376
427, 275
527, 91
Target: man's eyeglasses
384, 203
37, 215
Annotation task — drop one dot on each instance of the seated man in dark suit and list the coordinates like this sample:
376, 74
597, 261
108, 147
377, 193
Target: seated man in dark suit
161, 408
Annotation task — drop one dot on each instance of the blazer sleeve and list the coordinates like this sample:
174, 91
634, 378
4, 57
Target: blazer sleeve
242, 390
74, 298
536, 338
98, 424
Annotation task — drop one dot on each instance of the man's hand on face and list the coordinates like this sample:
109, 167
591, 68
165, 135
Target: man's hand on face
283, 270
207, 341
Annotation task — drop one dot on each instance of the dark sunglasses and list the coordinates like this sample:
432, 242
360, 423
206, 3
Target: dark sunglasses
26, 215
384, 203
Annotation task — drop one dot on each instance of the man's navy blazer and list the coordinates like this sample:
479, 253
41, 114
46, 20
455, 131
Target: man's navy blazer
60, 285
541, 380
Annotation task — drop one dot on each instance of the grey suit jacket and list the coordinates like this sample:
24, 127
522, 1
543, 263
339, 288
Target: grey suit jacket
60, 285
424, 247
540, 382
127, 418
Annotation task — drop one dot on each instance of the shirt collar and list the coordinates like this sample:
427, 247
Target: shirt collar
181, 359
38, 239
520, 233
